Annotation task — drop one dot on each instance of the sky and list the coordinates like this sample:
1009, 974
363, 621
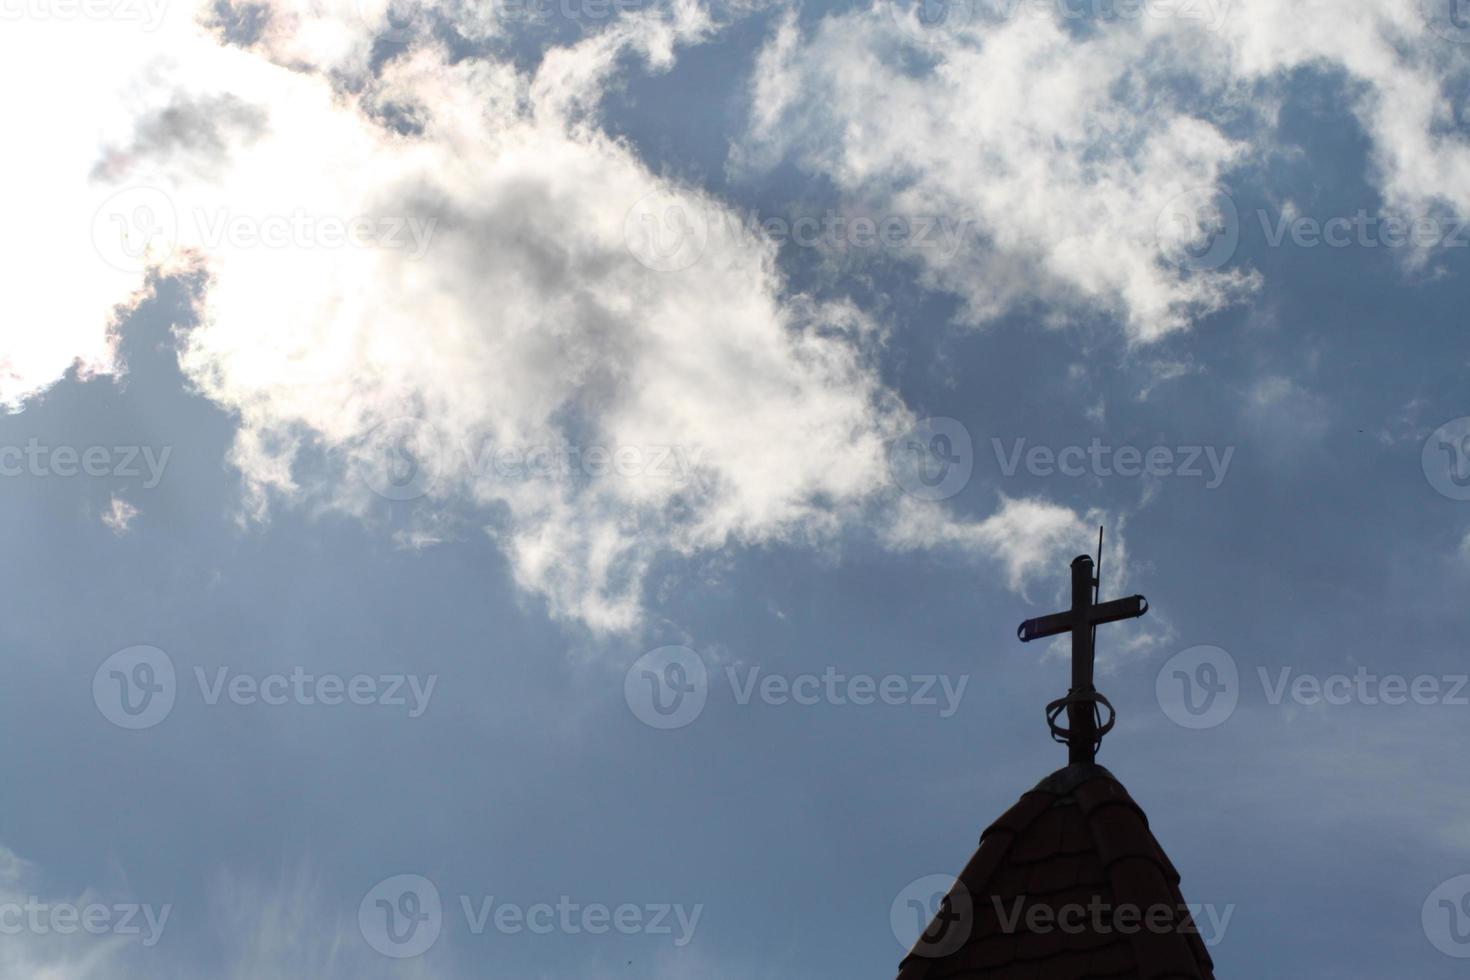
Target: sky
547, 488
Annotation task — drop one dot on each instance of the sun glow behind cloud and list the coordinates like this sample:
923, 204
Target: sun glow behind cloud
455, 241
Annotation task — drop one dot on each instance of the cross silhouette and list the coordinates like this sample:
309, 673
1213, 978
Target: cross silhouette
1084, 731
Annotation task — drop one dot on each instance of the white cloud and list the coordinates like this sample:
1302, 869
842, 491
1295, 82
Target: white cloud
1014, 128
1285, 413
1028, 537
1090, 166
486, 274
57, 313
530, 320
38, 951
119, 515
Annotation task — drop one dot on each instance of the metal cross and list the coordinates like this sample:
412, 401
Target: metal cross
1082, 733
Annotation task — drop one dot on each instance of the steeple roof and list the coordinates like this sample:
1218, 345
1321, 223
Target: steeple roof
1068, 883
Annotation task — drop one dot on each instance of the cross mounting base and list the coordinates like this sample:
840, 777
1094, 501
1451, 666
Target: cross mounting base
1060, 733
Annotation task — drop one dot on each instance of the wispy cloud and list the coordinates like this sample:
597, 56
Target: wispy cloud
118, 517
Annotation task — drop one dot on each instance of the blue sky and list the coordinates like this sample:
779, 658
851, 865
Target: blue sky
464, 372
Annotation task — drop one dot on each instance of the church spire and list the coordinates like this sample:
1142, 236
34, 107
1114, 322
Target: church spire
1076, 849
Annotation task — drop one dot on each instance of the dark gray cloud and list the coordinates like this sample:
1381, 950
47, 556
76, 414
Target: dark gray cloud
194, 131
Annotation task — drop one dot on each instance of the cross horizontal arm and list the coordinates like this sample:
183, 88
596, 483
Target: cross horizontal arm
1110, 612
1107, 612
1036, 629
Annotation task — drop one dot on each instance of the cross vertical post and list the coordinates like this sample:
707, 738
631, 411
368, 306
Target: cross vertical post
1082, 703
1081, 720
